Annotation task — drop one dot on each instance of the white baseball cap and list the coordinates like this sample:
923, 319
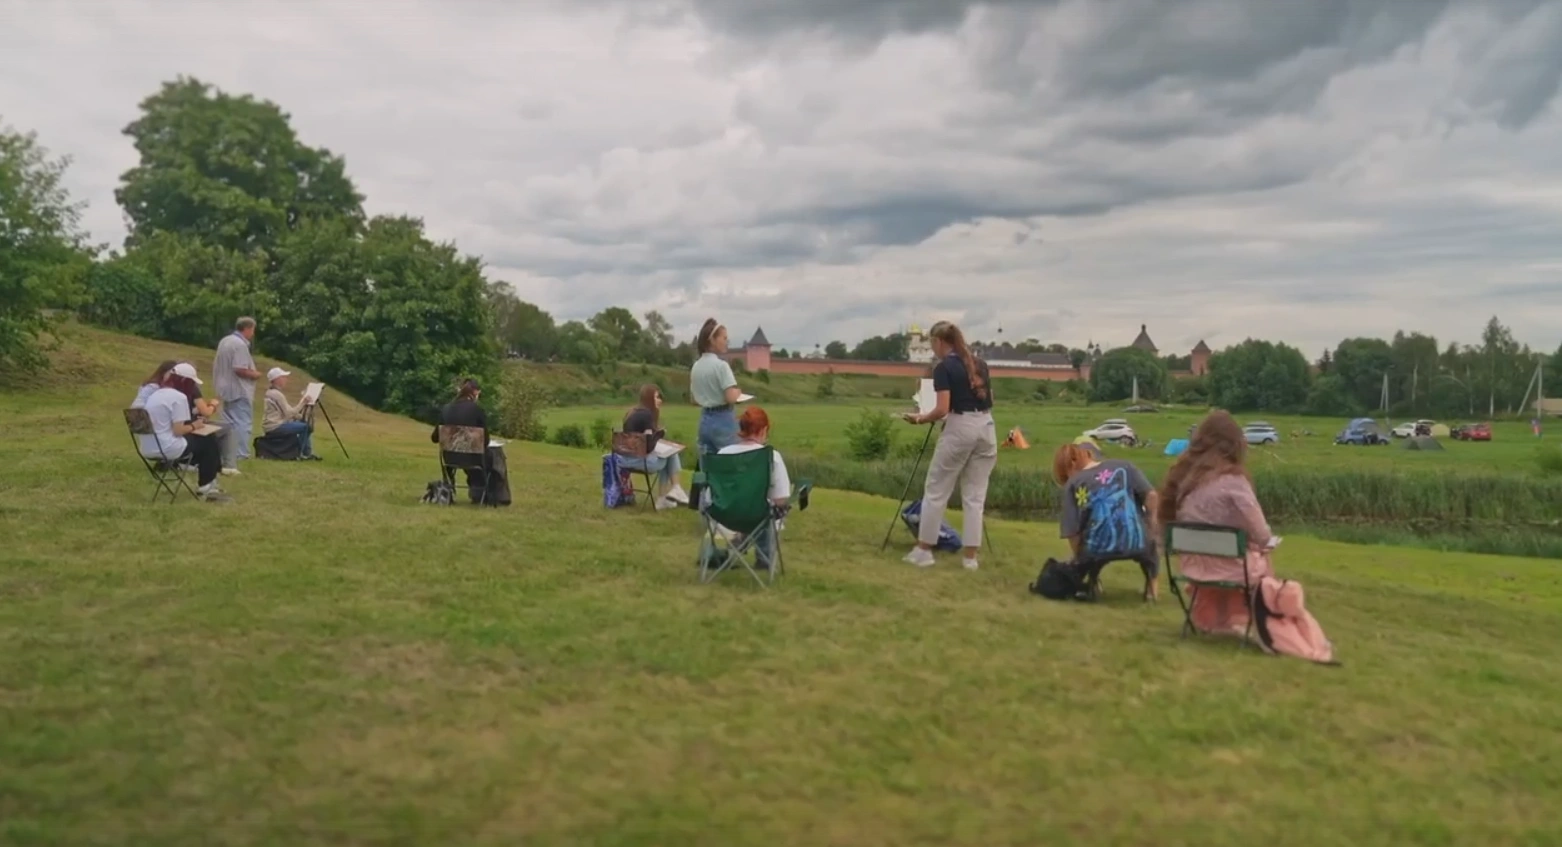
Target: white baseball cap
187, 370
271, 375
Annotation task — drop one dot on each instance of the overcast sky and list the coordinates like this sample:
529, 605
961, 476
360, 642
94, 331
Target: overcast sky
839, 168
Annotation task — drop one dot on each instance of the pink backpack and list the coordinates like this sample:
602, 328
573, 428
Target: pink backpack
1285, 626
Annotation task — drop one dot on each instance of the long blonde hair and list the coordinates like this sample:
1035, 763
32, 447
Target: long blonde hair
950, 334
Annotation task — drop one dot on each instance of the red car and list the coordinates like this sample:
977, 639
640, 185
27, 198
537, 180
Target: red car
1473, 432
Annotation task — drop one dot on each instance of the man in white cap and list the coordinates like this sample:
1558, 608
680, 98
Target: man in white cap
283, 418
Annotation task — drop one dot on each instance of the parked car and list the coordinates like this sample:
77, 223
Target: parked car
1116, 431
1473, 432
1409, 428
1259, 432
1361, 431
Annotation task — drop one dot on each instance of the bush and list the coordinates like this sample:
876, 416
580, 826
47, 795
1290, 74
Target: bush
826, 387
763, 375
602, 432
522, 400
1042, 392
871, 436
1549, 461
569, 435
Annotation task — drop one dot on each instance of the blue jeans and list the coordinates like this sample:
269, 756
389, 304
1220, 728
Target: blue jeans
718, 429
300, 429
239, 417
666, 470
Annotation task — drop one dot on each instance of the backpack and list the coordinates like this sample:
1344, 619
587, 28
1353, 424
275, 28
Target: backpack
948, 539
439, 493
618, 486
1060, 581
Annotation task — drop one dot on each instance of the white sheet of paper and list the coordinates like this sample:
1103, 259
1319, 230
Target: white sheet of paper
1274, 541
667, 449
312, 393
207, 429
495, 442
927, 398
744, 398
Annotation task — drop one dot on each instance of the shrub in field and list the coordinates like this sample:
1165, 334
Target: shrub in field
602, 432
1548, 460
826, 387
763, 374
569, 435
522, 400
871, 436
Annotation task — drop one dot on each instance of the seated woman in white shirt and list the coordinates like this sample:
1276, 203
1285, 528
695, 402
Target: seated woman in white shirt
200, 407
173, 437
754, 434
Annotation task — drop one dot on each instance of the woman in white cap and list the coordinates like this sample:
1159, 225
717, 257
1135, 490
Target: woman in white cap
173, 437
283, 418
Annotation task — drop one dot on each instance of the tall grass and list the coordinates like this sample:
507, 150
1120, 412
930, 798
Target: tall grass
1497, 507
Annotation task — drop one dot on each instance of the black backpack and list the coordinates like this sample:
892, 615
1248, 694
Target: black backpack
439, 493
1061, 581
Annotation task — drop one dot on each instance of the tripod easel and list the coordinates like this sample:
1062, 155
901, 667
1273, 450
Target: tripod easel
309, 417
905, 492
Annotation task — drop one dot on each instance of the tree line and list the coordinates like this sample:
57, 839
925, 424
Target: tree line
229, 213
1410, 374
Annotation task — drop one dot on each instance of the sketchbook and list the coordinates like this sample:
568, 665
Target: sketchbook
744, 398
927, 398
207, 429
667, 449
312, 393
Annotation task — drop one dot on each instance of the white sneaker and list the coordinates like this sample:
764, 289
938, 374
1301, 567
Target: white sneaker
678, 495
970, 564
666, 503
919, 557
230, 471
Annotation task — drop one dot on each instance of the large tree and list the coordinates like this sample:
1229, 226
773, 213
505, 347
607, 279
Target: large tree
1361, 364
42, 253
227, 170
1259, 376
522, 328
882, 348
1112, 376
836, 350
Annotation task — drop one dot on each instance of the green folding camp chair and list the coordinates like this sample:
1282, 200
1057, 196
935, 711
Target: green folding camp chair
738, 485
1222, 542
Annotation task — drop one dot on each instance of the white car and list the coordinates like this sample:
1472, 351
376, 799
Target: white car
1407, 429
1259, 432
1114, 430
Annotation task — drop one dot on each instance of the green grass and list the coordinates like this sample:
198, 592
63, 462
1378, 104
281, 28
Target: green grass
325, 661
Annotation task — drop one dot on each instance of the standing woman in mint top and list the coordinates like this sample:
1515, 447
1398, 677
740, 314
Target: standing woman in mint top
714, 389
967, 450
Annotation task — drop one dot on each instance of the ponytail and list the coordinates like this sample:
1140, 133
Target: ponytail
707, 332
951, 335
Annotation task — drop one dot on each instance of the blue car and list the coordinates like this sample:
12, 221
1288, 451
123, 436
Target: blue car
1361, 432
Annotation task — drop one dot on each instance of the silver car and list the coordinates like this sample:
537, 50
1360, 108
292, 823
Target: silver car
1259, 432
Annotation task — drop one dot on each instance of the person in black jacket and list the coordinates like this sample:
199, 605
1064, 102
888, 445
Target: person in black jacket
647, 418
466, 411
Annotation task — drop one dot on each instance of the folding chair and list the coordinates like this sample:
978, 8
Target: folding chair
464, 448
738, 485
632, 445
139, 422
1221, 542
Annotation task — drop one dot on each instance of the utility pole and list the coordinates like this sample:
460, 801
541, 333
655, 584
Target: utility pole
1415, 373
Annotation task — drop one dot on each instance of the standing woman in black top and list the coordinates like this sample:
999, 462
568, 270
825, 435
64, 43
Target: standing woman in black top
967, 450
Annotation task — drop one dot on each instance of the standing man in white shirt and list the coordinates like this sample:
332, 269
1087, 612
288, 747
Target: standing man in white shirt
234, 373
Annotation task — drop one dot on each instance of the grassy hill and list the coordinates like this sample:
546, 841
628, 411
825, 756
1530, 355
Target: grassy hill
326, 661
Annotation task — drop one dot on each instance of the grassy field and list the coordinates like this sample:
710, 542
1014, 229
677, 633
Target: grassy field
324, 661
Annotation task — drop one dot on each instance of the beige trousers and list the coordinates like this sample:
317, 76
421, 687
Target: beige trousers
966, 453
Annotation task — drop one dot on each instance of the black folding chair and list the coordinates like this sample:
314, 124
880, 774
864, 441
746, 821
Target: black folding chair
634, 445
1221, 542
465, 448
162, 469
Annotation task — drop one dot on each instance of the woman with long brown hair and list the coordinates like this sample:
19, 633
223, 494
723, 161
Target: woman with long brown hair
647, 418
967, 450
1209, 484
